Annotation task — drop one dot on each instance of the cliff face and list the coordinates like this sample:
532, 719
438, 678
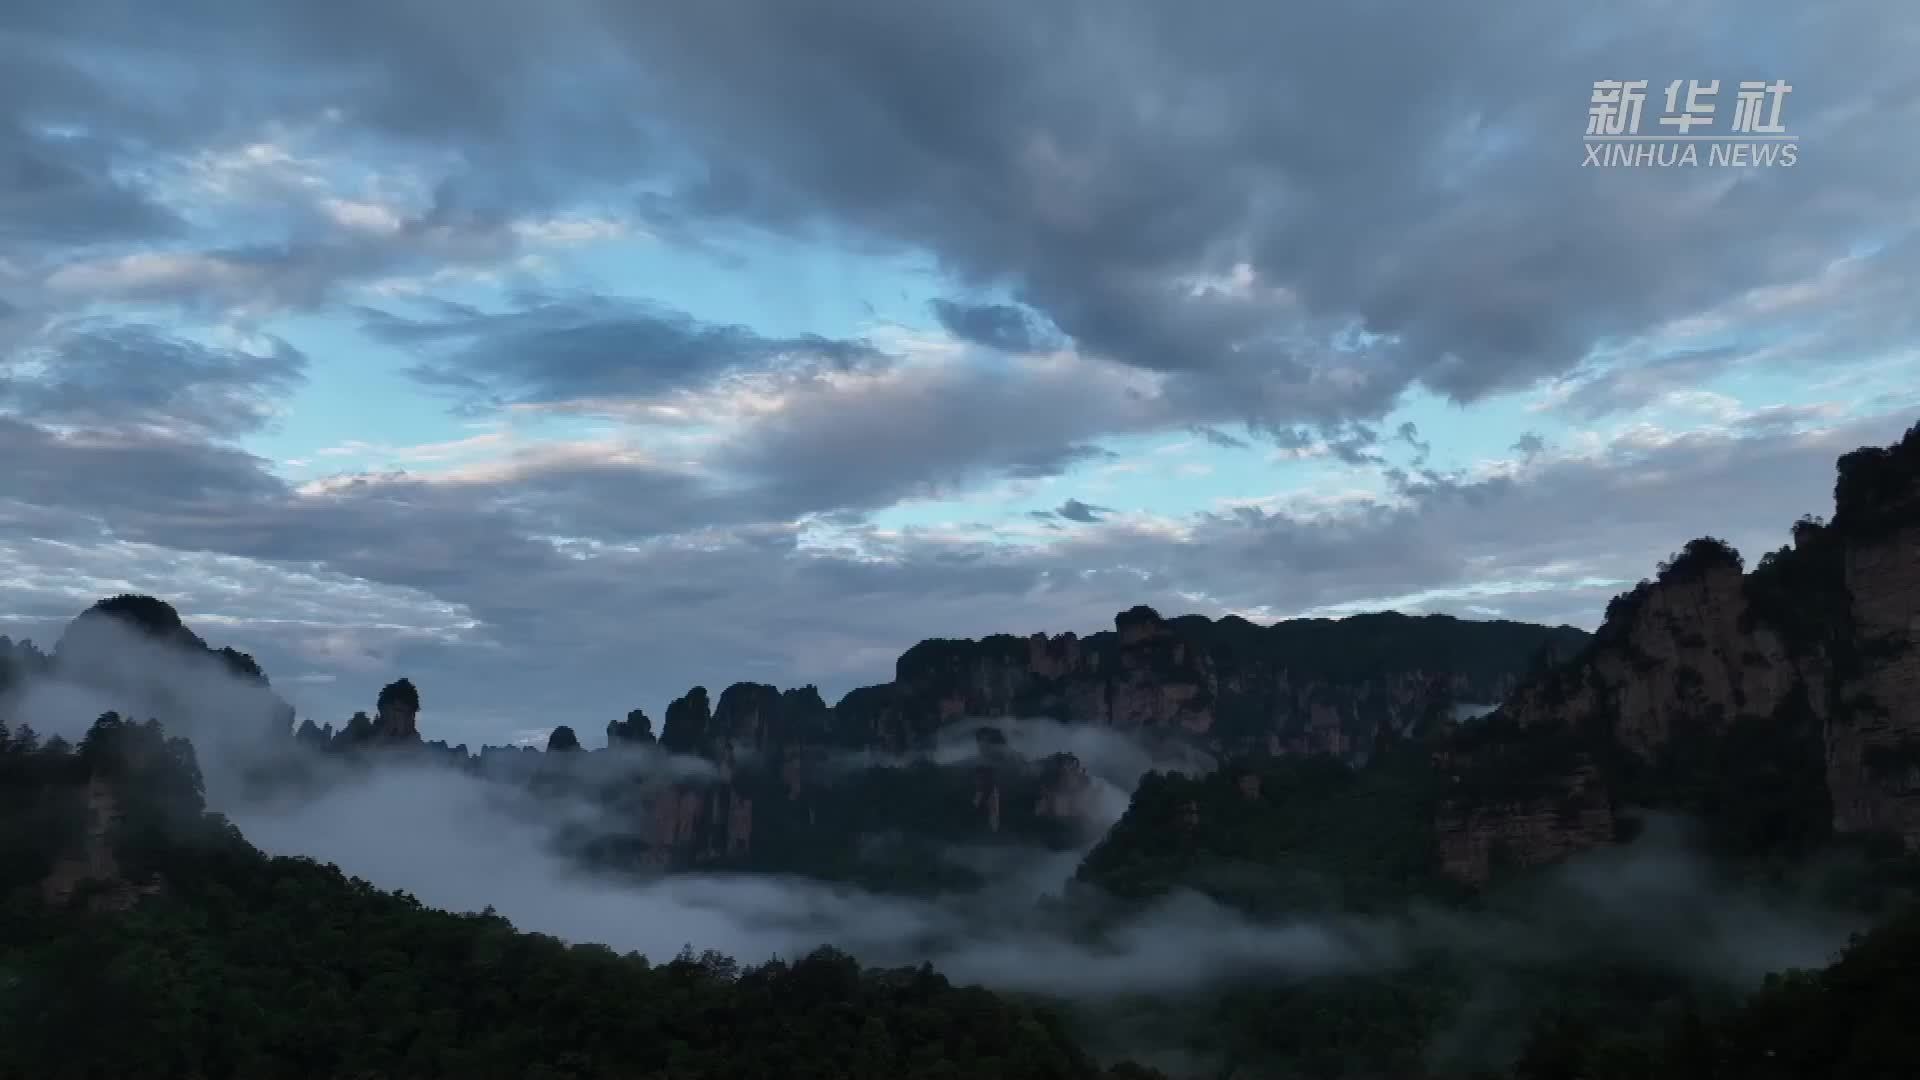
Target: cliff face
93, 867
1302, 687
1306, 686
1782, 705
1873, 745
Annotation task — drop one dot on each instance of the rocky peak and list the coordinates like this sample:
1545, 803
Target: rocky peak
1139, 624
147, 616
111, 646
563, 740
688, 723
635, 730
1781, 705
1066, 789
398, 711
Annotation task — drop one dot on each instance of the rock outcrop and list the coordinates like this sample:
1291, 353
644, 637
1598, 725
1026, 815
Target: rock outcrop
1782, 706
139, 651
397, 716
92, 870
1306, 686
1302, 686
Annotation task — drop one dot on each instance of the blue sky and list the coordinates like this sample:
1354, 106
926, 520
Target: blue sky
763, 344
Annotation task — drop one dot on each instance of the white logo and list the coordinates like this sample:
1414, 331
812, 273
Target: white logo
1754, 136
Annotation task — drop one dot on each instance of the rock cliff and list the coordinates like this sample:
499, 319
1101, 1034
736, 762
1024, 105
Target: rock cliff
1230, 686
92, 870
137, 649
1780, 706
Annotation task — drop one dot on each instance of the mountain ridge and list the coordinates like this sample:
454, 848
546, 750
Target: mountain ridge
1709, 683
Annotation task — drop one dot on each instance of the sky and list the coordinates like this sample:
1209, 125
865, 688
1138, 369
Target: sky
563, 356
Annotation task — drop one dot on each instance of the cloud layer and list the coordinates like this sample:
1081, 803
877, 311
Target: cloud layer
621, 347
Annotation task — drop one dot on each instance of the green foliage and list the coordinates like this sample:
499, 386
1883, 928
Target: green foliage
19, 660
248, 966
1878, 488
42, 807
1503, 763
835, 834
1852, 1019
401, 693
1314, 833
1699, 558
1757, 785
1362, 648
1801, 592
149, 615
939, 657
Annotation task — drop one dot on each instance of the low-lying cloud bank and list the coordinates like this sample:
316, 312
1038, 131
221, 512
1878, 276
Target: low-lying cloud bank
447, 839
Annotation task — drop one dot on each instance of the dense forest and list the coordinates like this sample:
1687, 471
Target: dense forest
200, 957
239, 965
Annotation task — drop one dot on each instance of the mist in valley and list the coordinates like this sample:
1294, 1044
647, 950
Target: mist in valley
467, 842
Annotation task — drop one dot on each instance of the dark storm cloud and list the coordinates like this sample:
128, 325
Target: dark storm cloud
101, 374
568, 349
1098, 156
1225, 196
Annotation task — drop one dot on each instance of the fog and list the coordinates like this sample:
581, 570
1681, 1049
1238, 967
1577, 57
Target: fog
465, 843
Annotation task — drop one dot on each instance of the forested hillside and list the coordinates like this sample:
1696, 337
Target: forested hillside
235, 965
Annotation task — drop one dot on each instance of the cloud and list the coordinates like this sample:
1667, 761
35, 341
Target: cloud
58, 189
1459, 234
443, 837
1148, 185
568, 350
594, 559
1137, 221
998, 326
931, 428
98, 374
1218, 438
1085, 513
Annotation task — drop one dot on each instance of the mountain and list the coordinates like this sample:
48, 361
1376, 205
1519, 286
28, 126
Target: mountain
234, 964
1853, 1018
1223, 687
1357, 814
1780, 706
1298, 686
1765, 723
982, 742
196, 956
